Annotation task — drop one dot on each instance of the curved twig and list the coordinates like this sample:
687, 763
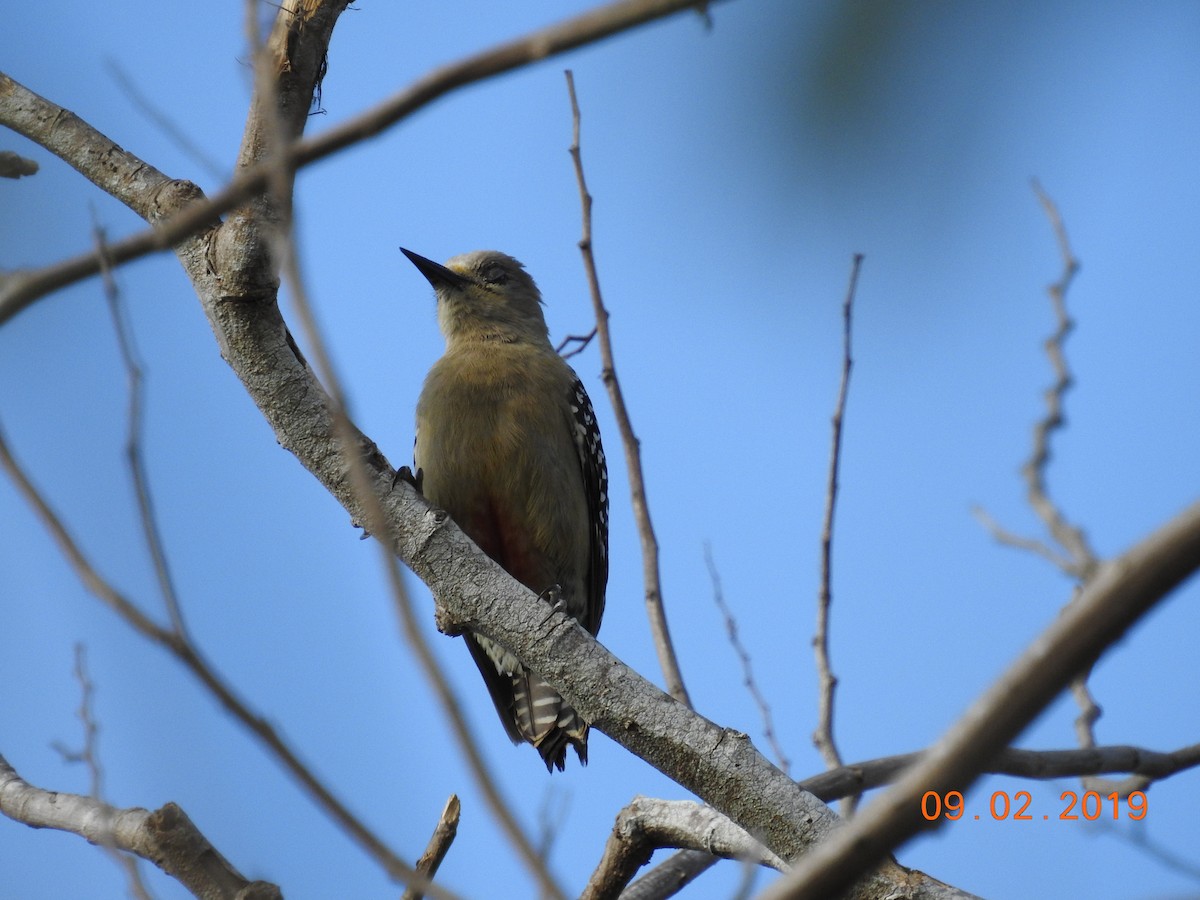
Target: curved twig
655, 610
743, 655
647, 824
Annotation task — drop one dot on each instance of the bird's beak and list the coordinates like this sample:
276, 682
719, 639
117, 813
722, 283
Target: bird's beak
437, 275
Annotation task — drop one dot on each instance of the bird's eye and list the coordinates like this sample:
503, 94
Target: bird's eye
494, 273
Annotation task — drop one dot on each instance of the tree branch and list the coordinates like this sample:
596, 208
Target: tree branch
672, 876
267, 220
1142, 766
19, 289
1122, 591
133, 441
181, 647
648, 824
439, 845
1068, 536
717, 764
89, 756
165, 837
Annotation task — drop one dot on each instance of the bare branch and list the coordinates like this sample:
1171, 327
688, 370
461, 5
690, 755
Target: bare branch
439, 845
580, 342
648, 824
1076, 558
1144, 767
19, 289
500, 808
179, 646
719, 765
138, 185
1031, 545
144, 189
764, 709
823, 735
1069, 537
165, 837
89, 756
633, 454
275, 216
668, 879
1089, 710
133, 439
1122, 591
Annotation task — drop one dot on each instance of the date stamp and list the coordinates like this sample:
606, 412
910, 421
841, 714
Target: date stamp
1071, 807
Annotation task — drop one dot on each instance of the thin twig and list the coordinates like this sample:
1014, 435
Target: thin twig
1089, 711
1072, 553
1002, 535
579, 340
439, 845
135, 381
1072, 539
1076, 558
823, 735
19, 289
633, 455
500, 807
89, 756
743, 655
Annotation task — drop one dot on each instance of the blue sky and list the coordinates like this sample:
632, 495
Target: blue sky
736, 171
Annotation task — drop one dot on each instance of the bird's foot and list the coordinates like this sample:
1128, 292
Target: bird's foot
554, 596
405, 474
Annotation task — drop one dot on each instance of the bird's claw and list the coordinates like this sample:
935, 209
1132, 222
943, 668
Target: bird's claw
405, 474
554, 596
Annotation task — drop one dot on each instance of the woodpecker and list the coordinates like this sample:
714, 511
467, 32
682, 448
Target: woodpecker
507, 444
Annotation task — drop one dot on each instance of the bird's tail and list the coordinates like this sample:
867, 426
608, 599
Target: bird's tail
545, 720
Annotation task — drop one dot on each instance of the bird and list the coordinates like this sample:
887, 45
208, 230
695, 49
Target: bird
507, 444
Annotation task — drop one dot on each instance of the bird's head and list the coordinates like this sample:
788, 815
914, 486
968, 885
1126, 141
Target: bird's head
484, 295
